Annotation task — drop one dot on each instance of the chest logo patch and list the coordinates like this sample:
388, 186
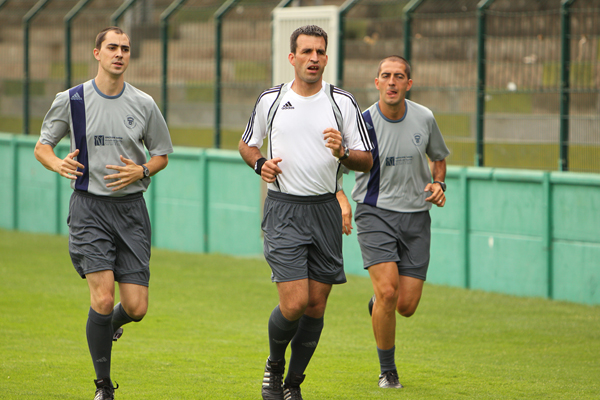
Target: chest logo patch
130, 122
287, 106
417, 139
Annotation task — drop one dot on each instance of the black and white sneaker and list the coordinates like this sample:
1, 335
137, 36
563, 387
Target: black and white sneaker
272, 386
389, 380
104, 389
371, 302
117, 335
291, 389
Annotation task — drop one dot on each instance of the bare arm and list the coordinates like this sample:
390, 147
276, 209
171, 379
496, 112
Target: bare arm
346, 212
66, 167
251, 155
439, 174
357, 160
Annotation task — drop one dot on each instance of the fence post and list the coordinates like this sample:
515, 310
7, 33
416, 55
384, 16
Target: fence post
344, 9
565, 66
219, 14
114, 18
164, 38
547, 234
408, 11
26, 21
68, 18
481, 10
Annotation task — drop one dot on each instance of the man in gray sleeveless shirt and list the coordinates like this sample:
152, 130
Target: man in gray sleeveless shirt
109, 122
394, 199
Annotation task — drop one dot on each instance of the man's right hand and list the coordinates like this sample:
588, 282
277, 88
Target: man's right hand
270, 170
68, 166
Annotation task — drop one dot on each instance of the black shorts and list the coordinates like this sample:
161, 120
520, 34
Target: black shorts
303, 238
110, 233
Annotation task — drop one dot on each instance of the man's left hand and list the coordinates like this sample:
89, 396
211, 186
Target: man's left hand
126, 175
438, 197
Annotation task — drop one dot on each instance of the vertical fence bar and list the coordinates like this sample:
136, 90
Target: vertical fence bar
547, 226
26, 22
68, 18
464, 187
114, 18
565, 64
219, 14
409, 10
480, 111
164, 38
344, 9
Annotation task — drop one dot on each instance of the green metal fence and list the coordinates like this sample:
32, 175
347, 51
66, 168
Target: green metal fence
512, 84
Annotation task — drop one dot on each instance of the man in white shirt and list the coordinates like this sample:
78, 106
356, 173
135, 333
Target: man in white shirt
313, 129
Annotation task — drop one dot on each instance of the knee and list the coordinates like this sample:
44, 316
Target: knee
293, 311
103, 304
315, 310
387, 297
138, 313
406, 310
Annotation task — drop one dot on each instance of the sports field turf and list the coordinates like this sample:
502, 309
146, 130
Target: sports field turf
205, 336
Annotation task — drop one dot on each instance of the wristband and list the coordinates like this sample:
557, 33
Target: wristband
258, 165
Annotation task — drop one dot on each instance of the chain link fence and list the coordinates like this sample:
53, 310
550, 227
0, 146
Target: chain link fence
523, 88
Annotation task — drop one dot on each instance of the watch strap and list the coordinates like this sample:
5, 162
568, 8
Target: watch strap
346, 154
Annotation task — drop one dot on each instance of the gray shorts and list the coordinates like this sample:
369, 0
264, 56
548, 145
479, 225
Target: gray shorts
110, 233
389, 236
303, 238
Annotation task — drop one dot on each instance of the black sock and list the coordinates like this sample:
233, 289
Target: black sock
304, 344
99, 336
281, 331
387, 359
120, 317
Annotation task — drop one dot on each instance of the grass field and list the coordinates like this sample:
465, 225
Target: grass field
205, 336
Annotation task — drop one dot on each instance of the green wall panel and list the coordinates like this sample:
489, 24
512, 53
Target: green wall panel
234, 205
36, 192
527, 233
7, 161
446, 266
577, 272
576, 212
177, 202
451, 216
508, 264
506, 207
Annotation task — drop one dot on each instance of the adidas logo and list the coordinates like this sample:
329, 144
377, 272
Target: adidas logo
369, 126
76, 96
287, 106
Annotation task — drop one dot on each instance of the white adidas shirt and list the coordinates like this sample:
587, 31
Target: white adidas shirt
308, 167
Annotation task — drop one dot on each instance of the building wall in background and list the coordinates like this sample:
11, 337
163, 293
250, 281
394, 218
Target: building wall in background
526, 233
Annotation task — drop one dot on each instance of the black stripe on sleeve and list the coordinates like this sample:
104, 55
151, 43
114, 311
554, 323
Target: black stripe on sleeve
250, 127
362, 128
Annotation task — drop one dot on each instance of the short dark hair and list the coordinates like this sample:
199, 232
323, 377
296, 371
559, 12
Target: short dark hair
310, 30
102, 35
395, 58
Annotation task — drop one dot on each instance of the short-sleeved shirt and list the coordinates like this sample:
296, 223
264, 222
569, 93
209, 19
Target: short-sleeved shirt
103, 128
400, 167
308, 167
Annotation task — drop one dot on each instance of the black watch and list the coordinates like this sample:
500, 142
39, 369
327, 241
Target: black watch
442, 184
346, 154
146, 171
